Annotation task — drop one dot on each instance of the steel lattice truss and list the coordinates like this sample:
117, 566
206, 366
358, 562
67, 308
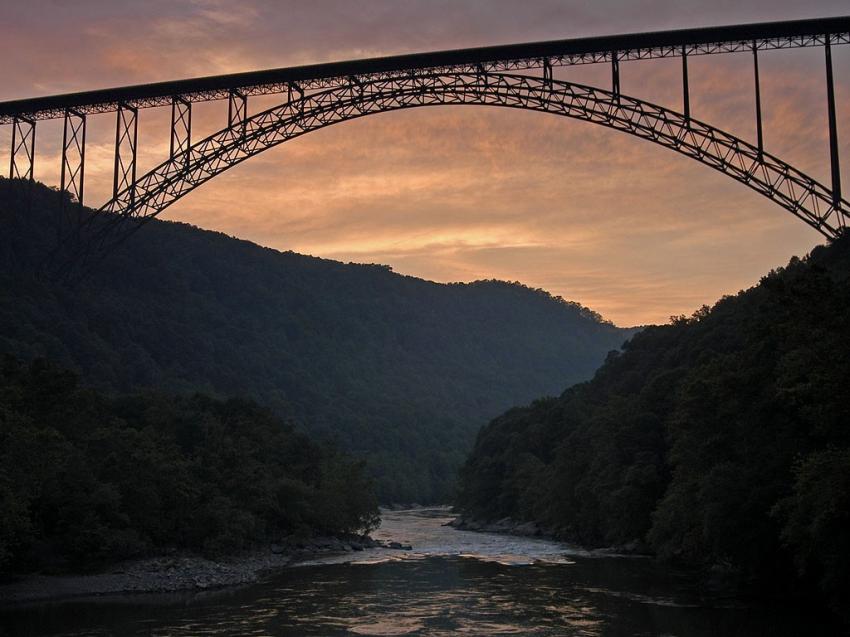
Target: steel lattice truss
519, 57
320, 95
798, 193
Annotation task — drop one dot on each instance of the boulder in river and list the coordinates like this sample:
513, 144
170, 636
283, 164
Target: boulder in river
399, 546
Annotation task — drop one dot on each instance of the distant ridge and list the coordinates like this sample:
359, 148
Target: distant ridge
401, 370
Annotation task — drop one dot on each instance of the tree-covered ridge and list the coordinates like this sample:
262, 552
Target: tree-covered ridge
399, 370
86, 478
721, 439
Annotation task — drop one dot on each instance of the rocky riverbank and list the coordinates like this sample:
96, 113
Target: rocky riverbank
181, 572
506, 526
509, 526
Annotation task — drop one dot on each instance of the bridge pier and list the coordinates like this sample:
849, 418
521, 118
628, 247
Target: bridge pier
237, 110
293, 87
181, 127
548, 77
22, 161
833, 129
615, 75
126, 137
759, 133
72, 178
686, 94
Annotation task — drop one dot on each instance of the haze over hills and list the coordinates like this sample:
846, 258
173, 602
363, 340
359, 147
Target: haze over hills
400, 370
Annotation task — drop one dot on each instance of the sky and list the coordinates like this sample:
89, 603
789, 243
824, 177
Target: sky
630, 229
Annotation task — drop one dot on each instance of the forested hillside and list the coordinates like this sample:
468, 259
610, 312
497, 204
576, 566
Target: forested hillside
87, 479
721, 439
399, 370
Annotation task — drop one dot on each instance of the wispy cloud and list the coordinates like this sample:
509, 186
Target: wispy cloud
458, 193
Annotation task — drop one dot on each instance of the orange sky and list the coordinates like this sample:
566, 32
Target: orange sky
632, 230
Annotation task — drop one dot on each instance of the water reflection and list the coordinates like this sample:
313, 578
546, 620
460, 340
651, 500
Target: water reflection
452, 583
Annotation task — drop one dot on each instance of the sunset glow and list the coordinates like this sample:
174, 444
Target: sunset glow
458, 194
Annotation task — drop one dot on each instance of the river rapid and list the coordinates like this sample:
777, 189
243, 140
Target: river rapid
452, 583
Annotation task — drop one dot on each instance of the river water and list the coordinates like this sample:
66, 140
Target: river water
452, 583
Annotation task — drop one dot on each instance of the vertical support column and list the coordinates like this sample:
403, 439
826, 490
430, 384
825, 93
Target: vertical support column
181, 127
355, 81
833, 130
73, 155
615, 74
126, 135
21, 163
23, 149
237, 110
759, 131
547, 73
686, 93
481, 72
293, 87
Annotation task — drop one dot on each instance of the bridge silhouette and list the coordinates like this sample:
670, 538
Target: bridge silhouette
514, 76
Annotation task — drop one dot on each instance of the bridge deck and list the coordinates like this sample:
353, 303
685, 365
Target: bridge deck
702, 41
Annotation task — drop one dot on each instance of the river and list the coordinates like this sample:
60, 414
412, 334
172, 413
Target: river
452, 583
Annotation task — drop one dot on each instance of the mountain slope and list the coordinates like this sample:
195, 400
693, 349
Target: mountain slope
401, 370
86, 480
720, 440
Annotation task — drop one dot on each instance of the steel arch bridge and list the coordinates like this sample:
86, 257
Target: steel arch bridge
514, 76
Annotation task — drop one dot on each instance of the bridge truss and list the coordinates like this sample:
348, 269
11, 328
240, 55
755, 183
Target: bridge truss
321, 95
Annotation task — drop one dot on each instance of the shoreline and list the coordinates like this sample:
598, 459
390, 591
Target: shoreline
179, 572
509, 526
716, 580
189, 572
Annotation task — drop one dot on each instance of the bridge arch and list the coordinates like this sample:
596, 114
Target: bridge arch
798, 193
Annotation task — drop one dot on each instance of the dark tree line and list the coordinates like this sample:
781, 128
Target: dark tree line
721, 439
86, 479
396, 369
